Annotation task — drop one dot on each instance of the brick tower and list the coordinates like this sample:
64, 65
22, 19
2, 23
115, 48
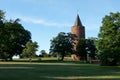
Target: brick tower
79, 30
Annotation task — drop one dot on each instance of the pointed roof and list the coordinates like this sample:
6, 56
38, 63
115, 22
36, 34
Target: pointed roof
78, 21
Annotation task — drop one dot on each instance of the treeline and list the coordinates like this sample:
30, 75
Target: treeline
16, 40
106, 47
63, 45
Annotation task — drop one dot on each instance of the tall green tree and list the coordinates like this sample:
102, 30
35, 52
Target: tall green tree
62, 44
30, 50
109, 40
81, 49
1, 33
13, 38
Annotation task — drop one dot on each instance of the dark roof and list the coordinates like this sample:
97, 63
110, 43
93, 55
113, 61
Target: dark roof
78, 21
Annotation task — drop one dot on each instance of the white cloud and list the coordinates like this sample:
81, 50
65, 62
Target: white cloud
43, 22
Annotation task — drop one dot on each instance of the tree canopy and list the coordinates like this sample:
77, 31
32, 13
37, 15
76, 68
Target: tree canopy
43, 53
30, 50
13, 37
109, 40
2, 15
81, 49
91, 48
62, 44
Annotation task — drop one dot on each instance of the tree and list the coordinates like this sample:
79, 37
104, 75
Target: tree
109, 40
91, 48
30, 50
62, 44
43, 53
13, 37
1, 30
81, 49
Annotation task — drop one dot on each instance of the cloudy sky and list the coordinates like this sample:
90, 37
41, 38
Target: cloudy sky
46, 18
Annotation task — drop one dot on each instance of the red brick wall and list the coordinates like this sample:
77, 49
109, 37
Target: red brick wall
78, 31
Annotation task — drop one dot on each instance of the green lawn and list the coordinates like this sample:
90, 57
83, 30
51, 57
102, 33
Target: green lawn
52, 70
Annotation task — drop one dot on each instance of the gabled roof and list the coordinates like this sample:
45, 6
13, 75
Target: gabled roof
78, 21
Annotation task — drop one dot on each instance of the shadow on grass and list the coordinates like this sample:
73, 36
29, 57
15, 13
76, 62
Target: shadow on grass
63, 70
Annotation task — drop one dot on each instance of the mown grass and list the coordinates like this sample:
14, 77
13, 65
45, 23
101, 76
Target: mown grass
55, 70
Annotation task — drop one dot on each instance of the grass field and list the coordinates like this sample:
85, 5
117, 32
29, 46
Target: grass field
55, 70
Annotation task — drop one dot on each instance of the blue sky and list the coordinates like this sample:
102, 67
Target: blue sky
46, 18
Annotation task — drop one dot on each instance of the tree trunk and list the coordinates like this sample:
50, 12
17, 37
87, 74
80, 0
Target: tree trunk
30, 59
63, 55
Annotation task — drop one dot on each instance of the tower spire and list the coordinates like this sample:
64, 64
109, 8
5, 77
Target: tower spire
78, 21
